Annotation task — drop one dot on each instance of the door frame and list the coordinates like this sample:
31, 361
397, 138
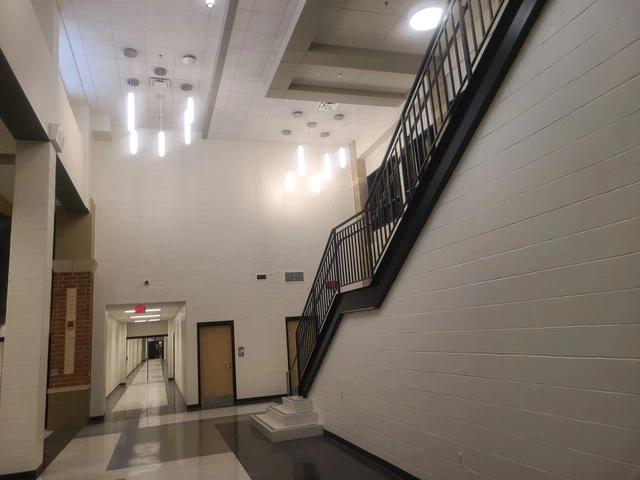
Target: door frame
286, 336
233, 354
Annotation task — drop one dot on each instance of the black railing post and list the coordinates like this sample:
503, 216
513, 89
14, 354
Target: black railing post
337, 261
465, 42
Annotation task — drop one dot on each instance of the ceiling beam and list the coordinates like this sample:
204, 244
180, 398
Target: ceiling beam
221, 54
362, 59
341, 95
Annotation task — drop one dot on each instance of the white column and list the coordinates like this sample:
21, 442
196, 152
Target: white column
23, 389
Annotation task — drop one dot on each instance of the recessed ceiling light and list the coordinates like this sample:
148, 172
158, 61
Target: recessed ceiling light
210, 3
297, 114
146, 316
312, 125
286, 132
188, 59
424, 17
338, 116
153, 310
325, 134
154, 319
139, 321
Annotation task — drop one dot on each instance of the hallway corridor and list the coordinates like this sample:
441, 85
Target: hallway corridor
146, 391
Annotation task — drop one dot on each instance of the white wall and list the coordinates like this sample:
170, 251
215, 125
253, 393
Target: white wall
511, 334
135, 353
116, 364
180, 373
169, 351
153, 329
199, 224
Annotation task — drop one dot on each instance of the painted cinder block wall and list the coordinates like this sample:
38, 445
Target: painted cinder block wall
511, 334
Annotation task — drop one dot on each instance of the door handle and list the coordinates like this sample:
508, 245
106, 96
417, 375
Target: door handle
229, 365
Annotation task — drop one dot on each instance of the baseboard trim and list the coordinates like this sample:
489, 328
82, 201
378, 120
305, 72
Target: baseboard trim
240, 402
23, 475
370, 456
267, 398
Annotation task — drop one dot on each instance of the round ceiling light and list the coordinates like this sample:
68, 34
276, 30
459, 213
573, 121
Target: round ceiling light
312, 125
133, 82
189, 59
210, 3
286, 132
425, 17
325, 134
186, 87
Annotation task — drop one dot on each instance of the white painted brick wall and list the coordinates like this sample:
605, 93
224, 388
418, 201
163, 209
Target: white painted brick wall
511, 334
199, 224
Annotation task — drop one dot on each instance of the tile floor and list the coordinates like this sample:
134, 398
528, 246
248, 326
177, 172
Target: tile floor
145, 436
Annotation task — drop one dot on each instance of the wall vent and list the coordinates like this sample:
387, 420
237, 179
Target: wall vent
261, 276
290, 277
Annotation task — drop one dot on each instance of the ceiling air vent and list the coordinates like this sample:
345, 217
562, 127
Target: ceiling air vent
327, 106
160, 83
292, 277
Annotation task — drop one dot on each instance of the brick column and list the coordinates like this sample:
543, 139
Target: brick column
71, 339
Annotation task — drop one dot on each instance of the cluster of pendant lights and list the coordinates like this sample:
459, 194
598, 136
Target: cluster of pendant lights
188, 115
316, 180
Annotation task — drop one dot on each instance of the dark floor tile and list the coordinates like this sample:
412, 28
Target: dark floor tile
317, 458
55, 443
164, 443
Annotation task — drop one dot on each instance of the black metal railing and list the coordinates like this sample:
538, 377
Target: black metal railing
356, 247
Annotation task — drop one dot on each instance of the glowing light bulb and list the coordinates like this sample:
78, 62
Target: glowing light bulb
190, 109
131, 114
187, 128
161, 144
302, 168
133, 142
342, 157
315, 183
327, 167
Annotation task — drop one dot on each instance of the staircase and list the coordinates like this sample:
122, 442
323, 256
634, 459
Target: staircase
293, 420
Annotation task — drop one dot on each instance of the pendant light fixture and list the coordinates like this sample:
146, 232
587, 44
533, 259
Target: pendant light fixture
162, 148
131, 105
343, 158
187, 129
302, 167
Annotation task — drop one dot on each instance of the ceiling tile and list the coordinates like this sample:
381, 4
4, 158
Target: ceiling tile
102, 64
77, 45
358, 21
277, 7
241, 21
229, 70
244, 86
245, 72
99, 48
97, 30
260, 42
133, 37
91, 10
106, 92
211, 44
214, 26
237, 38
159, 38
349, 38
245, 4
196, 24
264, 23
71, 27
106, 78
81, 62
131, 67
66, 8
252, 58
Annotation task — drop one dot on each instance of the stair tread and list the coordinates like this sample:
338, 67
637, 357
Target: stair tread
284, 410
275, 425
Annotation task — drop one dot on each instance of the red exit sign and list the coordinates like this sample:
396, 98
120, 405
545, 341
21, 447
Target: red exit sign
141, 309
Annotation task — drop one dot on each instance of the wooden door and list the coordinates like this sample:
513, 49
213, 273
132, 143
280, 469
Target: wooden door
215, 346
292, 325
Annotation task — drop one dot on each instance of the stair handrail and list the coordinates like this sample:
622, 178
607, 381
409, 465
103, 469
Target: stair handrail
405, 162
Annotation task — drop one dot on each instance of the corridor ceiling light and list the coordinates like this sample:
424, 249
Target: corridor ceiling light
153, 310
342, 157
302, 168
133, 142
139, 321
327, 167
210, 3
146, 316
154, 319
424, 17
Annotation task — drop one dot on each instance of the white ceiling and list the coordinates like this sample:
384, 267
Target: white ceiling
162, 31
99, 31
372, 24
169, 310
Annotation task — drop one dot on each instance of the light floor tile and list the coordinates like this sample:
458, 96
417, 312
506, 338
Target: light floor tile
153, 421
